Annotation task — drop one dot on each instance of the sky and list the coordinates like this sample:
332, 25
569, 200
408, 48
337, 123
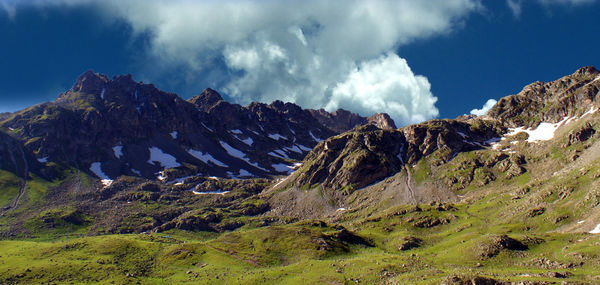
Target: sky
416, 60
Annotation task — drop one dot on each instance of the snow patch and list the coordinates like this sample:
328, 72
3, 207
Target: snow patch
206, 158
399, 155
96, 168
136, 172
236, 131
277, 137
43, 159
173, 134
314, 138
244, 173
282, 167
543, 132
166, 160
102, 93
219, 192
248, 141
207, 127
232, 151
581, 222
304, 148
277, 155
596, 230
118, 151
341, 209
255, 164
106, 182
592, 110
179, 181
294, 149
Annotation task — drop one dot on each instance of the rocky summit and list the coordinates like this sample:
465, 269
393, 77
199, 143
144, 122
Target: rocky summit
125, 183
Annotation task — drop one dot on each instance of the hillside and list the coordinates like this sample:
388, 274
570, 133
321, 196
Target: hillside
510, 196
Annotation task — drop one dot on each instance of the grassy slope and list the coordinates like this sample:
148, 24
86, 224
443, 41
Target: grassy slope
462, 244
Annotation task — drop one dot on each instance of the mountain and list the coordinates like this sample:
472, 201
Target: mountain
369, 159
510, 197
113, 127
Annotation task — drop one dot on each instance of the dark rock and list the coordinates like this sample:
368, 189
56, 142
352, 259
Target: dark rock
580, 135
409, 243
536, 212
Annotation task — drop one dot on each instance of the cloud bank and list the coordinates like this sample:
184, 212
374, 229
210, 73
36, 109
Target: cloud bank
486, 107
317, 53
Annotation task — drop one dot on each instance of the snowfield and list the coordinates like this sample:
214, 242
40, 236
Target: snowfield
166, 160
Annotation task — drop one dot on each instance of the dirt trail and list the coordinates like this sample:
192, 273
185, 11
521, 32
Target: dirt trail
409, 183
23, 186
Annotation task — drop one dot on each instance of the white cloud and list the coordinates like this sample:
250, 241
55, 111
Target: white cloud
486, 107
299, 51
515, 7
566, 2
386, 83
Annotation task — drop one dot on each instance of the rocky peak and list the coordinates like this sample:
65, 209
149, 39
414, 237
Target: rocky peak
550, 102
207, 99
90, 82
586, 70
338, 121
382, 121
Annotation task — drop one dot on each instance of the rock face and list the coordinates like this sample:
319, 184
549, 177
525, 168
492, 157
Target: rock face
15, 158
550, 102
382, 121
341, 120
368, 154
112, 127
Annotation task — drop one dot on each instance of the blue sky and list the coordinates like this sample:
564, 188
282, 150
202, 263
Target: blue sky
413, 59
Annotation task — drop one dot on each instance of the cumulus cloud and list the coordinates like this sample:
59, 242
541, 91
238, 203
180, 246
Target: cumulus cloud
307, 52
386, 83
486, 107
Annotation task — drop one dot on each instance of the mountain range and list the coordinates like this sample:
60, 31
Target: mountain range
157, 188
